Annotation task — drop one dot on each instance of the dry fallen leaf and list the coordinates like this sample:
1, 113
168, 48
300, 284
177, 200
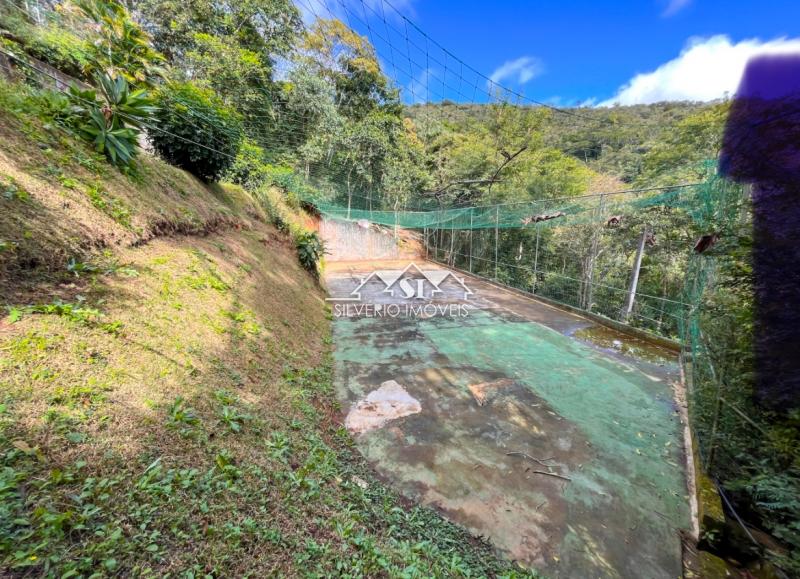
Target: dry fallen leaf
23, 446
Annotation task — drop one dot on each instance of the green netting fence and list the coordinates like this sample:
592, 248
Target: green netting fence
581, 251
692, 198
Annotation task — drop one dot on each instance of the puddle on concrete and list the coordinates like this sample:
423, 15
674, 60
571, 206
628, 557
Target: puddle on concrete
389, 402
625, 344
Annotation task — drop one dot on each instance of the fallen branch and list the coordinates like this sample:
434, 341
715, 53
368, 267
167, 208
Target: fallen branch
552, 474
538, 461
529, 457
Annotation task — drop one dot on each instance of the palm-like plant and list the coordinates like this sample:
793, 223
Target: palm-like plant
111, 119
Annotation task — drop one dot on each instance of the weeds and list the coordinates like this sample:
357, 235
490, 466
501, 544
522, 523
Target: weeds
232, 418
11, 191
108, 265
7, 246
279, 446
204, 274
75, 312
109, 205
182, 418
68, 182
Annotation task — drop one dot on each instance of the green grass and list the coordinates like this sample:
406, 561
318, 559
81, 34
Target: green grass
106, 203
312, 499
174, 447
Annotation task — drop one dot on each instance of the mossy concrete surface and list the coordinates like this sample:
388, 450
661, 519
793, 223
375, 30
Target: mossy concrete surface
566, 453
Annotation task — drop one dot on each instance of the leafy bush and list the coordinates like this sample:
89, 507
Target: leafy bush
309, 249
195, 131
249, 169
121, 45
60, 48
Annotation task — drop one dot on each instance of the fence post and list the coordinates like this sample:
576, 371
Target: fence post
451, 260
440, 241
471, 214
496, 234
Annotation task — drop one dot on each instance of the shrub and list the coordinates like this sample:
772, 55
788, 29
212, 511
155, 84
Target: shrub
195, 131
120, 44
309, 249
249, 168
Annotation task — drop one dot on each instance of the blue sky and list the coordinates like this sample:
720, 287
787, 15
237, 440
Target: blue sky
580, 51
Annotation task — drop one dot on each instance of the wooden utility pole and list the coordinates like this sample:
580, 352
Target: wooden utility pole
637, 265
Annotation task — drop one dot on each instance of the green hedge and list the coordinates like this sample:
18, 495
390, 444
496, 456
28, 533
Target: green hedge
194, 130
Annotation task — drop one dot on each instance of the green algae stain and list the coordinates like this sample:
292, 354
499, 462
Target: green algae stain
626, 416
625, 419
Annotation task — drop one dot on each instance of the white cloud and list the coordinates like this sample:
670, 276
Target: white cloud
675, 6
521, 71
707, 69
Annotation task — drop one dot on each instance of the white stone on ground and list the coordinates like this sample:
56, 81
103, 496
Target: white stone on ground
389, 402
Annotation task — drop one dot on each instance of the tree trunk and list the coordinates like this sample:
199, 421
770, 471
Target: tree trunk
637, 266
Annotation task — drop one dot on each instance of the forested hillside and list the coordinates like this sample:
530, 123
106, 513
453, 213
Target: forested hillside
560, 153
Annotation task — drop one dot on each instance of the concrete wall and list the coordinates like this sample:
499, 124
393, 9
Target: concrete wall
363, 241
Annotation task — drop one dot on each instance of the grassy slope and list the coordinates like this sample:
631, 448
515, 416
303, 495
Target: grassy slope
176, 415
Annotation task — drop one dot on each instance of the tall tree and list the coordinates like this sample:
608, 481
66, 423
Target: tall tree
349, 61
266, 27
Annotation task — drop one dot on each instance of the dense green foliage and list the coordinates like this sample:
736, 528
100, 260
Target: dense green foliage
230, 47
194, 130
309, 250
752, 451
121, 46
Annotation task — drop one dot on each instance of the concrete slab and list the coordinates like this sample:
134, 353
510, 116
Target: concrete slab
537, 429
